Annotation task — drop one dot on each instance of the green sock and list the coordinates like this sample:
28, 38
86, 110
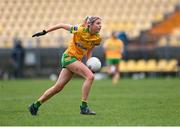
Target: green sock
84, 104
37, 104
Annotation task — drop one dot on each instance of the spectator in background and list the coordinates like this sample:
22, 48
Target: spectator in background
122, 36
17, 59
113, 48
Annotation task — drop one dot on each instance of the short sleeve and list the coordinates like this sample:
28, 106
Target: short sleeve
74, 29
121, 42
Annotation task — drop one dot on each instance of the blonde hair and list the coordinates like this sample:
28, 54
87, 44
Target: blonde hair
85, 24
89, 20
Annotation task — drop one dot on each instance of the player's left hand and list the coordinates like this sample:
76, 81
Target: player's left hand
39, 33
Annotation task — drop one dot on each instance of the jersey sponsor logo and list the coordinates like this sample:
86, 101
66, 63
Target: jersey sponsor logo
80, 46
90, 43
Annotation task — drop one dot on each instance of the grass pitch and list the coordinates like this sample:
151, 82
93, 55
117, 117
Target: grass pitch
131, 102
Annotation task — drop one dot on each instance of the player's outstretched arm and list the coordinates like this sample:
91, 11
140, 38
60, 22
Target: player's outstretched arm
55, 27
59, 26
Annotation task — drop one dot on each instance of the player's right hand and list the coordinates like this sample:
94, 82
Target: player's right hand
39, 33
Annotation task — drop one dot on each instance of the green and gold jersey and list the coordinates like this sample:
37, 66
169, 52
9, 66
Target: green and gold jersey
82, 42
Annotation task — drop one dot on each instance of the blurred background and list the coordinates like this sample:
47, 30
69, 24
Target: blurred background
150, 30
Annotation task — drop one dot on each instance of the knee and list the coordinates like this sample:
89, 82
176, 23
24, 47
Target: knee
90, 77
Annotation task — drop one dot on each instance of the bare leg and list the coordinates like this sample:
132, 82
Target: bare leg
64, 76
82, 70
116, 75
111, 69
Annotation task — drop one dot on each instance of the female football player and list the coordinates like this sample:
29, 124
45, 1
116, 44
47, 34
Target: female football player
85, 38
113, 48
